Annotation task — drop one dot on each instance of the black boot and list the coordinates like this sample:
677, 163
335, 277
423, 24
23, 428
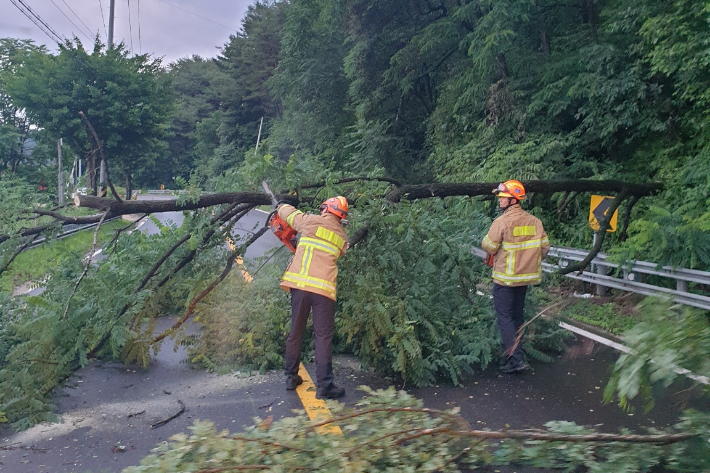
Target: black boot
512, 366
293, 381
330, 392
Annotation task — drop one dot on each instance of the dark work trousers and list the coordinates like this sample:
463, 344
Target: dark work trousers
509, 303
323, 326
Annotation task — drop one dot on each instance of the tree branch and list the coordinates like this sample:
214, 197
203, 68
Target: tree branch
601, 233
101, 153
228, 267
422, 191
623, 235
86, 269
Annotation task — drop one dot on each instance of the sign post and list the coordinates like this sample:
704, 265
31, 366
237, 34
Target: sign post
598, 208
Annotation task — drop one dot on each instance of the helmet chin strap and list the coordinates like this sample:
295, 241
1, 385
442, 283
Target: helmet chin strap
510, 204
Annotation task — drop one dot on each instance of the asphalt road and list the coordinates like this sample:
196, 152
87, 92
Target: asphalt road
112, 414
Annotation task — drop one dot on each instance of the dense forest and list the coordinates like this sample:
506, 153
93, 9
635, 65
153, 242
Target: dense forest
361, 98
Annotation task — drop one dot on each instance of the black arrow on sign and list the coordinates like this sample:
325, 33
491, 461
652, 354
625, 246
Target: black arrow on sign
600, 211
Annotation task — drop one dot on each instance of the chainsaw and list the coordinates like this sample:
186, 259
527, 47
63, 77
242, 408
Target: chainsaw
282, 230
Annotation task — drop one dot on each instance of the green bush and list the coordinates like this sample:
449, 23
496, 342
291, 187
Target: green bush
391, 431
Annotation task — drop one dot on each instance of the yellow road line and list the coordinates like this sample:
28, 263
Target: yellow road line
316, 409
240, 261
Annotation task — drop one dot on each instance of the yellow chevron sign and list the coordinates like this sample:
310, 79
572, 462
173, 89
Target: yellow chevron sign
597, 210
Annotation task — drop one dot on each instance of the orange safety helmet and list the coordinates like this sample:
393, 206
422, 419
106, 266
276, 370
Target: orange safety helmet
338, 206
512, 188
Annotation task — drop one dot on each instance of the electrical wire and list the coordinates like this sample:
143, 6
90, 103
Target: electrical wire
37, 20
77, 16
198, 16
70, 20
101, 7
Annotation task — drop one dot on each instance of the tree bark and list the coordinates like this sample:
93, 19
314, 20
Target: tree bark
115, 208
408, 192
421, 191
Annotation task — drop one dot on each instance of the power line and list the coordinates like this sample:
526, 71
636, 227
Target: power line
70, 20
77, 16
37, 20
195, 14
101, 7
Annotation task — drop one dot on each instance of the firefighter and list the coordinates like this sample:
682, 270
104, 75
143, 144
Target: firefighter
311, 280
517, 243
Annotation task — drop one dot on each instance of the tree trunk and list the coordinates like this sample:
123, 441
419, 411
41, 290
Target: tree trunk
129, 189
408, 192
91, 171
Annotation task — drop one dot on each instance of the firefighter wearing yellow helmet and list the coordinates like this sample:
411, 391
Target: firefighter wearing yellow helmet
517, 244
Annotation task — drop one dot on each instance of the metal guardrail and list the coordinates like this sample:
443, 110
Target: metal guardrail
629, 279
164, 192
630, 276
69, 230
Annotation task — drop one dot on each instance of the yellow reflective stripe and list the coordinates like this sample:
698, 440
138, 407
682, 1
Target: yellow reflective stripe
544, 241
330, 236
489, 243
308, 281
516, 277
522, 245
307, 259
526, 230
291, 216
311, 243
510, 263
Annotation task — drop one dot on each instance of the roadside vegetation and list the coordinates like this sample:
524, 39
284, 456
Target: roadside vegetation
31, 267
367, 99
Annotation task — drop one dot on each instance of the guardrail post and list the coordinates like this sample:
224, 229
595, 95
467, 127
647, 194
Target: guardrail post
601, 290
681, 285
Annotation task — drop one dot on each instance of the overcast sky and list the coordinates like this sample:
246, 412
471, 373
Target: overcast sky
171, 29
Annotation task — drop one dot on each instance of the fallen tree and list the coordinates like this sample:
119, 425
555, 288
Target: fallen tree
149, 277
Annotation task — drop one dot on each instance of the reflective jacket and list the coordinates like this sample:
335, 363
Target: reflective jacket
314, 266
519, 244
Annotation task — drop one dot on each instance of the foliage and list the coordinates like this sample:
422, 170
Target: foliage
310, 84
669, 340
461, 90
430, 321
15, 126
17, 200
200, 88
243, 323
33, 265
46, 338
669, 238
126, 99
391, 431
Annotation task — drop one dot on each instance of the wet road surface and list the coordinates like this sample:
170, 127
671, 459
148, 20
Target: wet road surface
111, 412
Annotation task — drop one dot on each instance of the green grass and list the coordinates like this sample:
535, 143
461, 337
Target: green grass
608, 316
33, 264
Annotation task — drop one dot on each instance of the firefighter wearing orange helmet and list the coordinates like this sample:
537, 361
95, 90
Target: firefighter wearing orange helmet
311, 280
517, 243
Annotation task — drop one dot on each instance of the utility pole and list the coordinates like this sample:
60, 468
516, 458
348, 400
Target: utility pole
111, 10
60, 184
102, 168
